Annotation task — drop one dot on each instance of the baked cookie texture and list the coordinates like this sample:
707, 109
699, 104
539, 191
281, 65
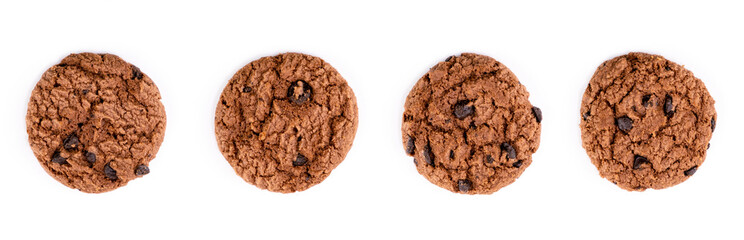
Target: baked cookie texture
469, 125
646, 121
95, 122
285, 122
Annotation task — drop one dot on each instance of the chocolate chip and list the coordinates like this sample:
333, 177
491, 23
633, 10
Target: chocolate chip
428, 156
71, 142
109, 172
517, 164
586, 114
247, 89
538, 114
708, 146
668, 106
410, 146
638, 161
712, 124
141, 170
691, 171
449, 58
300, 160
464, 185
490, 73
56, 158
624, 123
489, 159
463, 109
510, 152
452, 154
645, 99
299, 92
136, 73
90, 157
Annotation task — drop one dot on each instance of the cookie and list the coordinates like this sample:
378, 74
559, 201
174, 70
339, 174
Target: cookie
285, 122
469, 125
646, 121
95, 122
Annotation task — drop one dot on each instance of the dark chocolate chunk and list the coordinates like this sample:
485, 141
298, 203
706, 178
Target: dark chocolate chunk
638, 161
71, 142
141, 170
517, 164
462, 109
624, 123
428, 155
464, 185
712, 124
510, 152
56, 158
247, 89
410, 146
538, 114
668, 106
90, 157
489, 159
136, 73
109, 172
299, 92
301, 160
691, 171
645, 100
449, 58
586, 115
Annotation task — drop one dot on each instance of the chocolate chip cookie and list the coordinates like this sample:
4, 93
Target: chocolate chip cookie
285, 122
646, 121
95, 122
469, 125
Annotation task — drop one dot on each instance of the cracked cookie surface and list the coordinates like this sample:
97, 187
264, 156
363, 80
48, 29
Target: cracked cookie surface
469, 125
646, 121
285, 122
94, 122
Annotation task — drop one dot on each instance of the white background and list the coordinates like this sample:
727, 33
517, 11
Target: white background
382, 48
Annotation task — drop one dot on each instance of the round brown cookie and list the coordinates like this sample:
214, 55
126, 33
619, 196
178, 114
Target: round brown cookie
469, 125
285, 122
646, 121
94, 122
